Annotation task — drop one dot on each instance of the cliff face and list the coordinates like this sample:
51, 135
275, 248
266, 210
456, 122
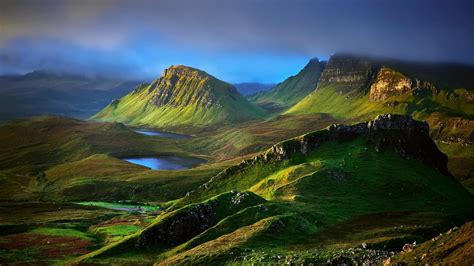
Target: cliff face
389, 82
181, 86
347, 72
182, 96
181, 225
408, 137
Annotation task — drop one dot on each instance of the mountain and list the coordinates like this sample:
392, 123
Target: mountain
276, 206
42, 92
294, 88
183, 96
249, 88
357, 88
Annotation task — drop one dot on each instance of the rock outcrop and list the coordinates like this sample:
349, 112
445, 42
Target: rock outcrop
347, 73
456, 247
400, 133
182, 96
389, 82
183, 224
182, 86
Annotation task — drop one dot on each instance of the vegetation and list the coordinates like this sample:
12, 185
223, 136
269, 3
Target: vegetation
336, 185
293, 89
183, 96
269, 192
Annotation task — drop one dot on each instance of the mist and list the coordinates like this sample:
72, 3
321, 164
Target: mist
237, 41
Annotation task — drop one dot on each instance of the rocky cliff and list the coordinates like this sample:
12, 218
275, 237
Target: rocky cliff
183, 224
347, 72
182, 96
181, 85
400, 133
389, 82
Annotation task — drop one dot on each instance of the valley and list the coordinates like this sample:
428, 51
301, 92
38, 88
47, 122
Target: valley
346, 161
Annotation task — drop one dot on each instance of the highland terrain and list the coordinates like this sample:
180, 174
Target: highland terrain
355, 159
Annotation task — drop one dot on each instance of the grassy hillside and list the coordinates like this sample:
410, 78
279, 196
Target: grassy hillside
58, 158
298, 191
184, 97
293, 89
376, 89
455, 246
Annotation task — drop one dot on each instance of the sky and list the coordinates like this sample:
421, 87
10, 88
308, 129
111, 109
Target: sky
234, 40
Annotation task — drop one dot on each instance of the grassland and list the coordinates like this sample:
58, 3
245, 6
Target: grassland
308, 202
303, 205
449, 114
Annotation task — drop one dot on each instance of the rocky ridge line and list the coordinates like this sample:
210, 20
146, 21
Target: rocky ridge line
406, 136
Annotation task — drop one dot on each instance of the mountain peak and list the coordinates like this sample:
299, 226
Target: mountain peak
183, 95
312, 65
182, 70
294, 88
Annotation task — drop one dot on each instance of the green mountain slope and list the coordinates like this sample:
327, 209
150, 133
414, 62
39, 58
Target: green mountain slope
183, 96
293, 89
356, 88
300, 189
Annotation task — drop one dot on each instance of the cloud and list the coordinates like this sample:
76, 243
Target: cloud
156, 33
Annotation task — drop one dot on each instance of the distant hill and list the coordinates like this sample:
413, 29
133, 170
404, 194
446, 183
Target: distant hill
293, 89
183, 96
42, 92
249, 88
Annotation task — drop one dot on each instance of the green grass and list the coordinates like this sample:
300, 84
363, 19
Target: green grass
186, 108
306, 195
293, 89
444, 111
60, 232
117, 232
121, 206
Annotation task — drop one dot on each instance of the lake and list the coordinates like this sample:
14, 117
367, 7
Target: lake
166, 162
161, 134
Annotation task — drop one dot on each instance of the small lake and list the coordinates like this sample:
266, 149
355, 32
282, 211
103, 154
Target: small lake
166, 162
161, 134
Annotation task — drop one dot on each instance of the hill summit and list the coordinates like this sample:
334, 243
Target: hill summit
182, 96
294, 88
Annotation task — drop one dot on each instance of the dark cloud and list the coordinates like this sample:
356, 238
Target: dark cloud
156, 33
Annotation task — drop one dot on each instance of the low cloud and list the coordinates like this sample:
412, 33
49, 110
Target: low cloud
136, 33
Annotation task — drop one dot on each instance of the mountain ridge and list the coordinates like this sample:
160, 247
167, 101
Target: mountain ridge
294, 88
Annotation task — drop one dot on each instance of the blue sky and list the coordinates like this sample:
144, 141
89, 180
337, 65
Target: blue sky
237, 41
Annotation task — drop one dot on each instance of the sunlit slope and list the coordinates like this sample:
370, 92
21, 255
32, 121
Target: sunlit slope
183, 96
298, 188
357, 88
354, 87
294, 88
